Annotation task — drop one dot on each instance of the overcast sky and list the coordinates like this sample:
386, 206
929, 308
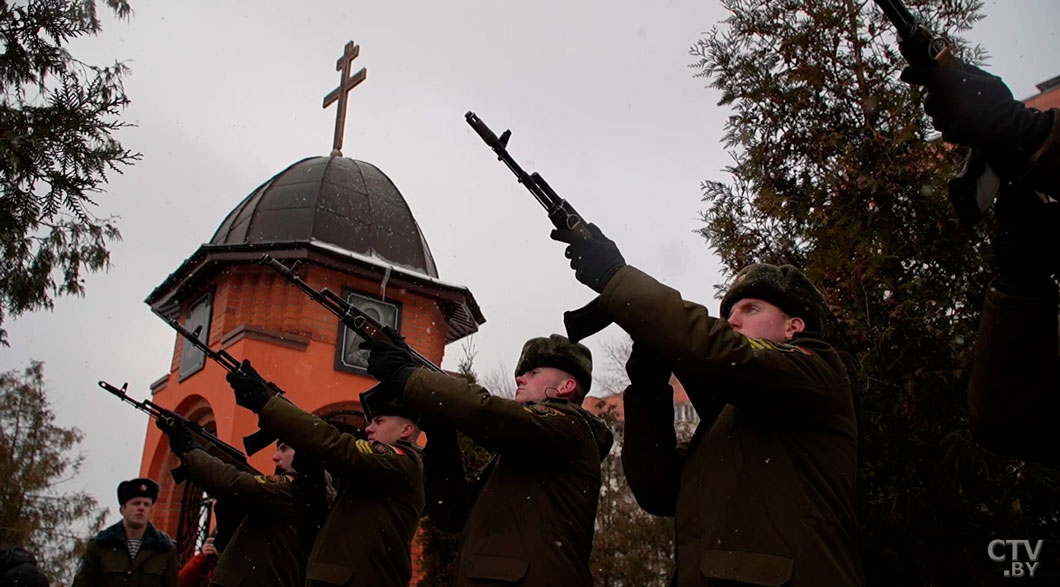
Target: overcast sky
598, 95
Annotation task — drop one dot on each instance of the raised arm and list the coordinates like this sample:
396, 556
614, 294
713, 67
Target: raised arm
226, 482
339, 453
498, 424
805, 378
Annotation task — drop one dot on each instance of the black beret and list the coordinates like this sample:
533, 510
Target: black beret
141, 487
785, 287
558, 352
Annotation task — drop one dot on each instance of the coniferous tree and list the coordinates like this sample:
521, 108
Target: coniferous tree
835, 171
36, 458
631, 548
58, 117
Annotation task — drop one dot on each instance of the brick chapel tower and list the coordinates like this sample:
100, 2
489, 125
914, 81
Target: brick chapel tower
353, 232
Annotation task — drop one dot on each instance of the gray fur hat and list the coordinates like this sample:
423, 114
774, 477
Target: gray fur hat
786, 287
558, 352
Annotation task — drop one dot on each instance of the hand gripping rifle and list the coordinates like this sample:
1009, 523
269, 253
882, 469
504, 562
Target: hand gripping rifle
585, 321
209, 441
973, 191
258, 440
353, 318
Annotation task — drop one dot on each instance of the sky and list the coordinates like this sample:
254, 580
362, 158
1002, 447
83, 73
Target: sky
599, 98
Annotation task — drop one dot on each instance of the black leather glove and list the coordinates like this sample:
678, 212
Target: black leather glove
595, 259
181, 440
251, 390
648, 372
1023, 245
973, 108
391, 364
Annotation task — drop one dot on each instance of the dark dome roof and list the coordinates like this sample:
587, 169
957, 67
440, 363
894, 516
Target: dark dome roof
343, 202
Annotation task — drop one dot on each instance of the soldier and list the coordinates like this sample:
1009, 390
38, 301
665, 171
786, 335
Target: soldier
765, 493
366, 538
1013, 398
264, 549
132, 552
530, 518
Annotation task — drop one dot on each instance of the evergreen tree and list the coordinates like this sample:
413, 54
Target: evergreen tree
835, 171
631, 548
35, 459
58, 116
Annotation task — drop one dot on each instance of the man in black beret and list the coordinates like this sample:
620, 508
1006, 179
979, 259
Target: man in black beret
764, 493
133, 548
528, 518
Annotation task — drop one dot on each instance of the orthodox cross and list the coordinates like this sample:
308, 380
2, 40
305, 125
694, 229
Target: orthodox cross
346, 83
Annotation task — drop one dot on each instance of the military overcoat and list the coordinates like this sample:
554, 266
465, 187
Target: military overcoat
529, 520
106, 561
366, 538
264, 550
1013, 398
765, 493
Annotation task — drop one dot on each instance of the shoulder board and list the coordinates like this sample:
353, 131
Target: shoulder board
279, 479
761, 344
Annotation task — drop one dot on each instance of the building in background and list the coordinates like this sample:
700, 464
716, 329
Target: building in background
351, 231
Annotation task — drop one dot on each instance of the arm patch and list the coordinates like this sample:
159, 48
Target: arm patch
540, 410
272, 479
378, 448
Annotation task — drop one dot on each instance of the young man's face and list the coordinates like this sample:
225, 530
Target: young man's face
136, 512
541, 383
283, 458
389, 429
755, 318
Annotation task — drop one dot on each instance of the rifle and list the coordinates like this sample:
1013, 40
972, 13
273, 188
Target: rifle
209, 441
591, 318
258, 440
973, 190
353, 318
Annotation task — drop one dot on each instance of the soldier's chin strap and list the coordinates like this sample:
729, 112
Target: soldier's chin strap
586, 321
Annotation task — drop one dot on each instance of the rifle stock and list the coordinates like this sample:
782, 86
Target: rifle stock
591, 318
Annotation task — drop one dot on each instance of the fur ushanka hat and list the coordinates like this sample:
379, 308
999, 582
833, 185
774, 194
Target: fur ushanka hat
785, 287
558, 352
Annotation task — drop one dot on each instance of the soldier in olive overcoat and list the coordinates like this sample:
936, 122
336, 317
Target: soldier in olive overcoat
765, 492
1014, 395
529, 517
264, 549
366, 538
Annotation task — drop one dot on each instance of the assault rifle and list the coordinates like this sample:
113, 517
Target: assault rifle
356, 320
973, 191
591, 318
258, 440
209, 441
